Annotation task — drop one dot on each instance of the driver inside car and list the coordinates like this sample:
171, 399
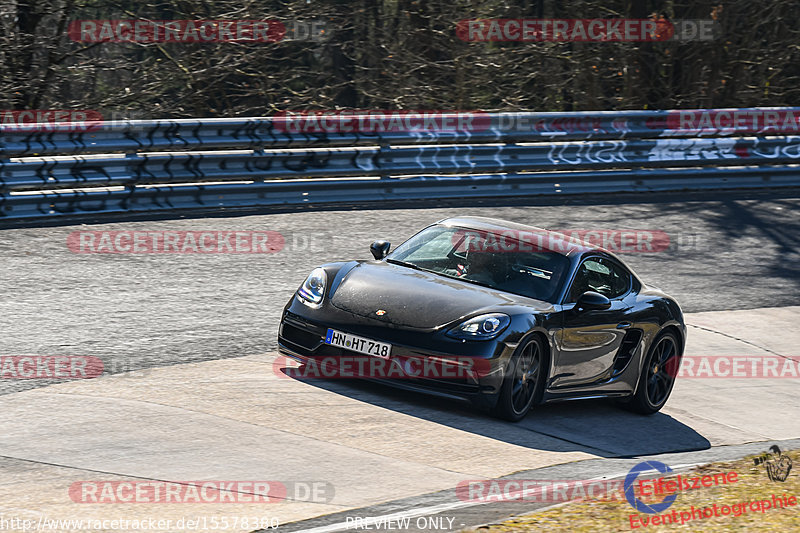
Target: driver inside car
482, 267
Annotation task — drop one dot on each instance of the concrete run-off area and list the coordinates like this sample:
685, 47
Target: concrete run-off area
241, 420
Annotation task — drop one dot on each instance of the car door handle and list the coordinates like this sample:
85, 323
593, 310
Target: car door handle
624, 325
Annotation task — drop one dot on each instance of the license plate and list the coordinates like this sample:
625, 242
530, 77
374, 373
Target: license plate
358, 344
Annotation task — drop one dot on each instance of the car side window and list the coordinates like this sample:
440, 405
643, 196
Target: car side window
599, 275
621, 279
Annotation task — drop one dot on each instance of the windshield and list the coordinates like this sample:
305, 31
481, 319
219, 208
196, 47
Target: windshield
489, 259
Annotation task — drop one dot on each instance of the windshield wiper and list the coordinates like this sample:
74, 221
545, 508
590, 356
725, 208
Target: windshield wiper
468, 280
406, 264
417, 267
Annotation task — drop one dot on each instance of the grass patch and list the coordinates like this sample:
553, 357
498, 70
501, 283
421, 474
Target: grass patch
614, 515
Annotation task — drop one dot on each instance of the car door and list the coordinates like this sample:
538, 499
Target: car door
590, 339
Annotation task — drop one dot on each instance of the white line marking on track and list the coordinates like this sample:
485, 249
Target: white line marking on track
424, 511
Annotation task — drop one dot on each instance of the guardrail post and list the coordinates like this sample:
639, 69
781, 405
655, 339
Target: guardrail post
258, 151
385, 148
4, 159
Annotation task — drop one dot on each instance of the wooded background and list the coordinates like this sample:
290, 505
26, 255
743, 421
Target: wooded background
395, 54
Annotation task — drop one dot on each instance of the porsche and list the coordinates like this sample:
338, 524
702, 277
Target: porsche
549, 317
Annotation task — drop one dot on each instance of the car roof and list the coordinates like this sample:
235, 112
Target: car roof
558, 242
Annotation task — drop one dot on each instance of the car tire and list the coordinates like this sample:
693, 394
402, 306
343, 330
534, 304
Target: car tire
657, 376
522, 382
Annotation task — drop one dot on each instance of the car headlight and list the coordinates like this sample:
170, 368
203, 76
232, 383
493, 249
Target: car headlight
313, 287
481, 327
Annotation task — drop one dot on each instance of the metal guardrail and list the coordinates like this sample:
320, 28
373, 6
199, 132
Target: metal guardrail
163, 165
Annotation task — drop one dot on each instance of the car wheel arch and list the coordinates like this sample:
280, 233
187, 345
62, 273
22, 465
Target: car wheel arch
546, 352
669, 328
673, 328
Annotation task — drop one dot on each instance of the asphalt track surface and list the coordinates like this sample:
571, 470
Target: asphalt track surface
437, 509
730, 251
734, 250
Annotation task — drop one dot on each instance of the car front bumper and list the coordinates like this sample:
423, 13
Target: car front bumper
301, 337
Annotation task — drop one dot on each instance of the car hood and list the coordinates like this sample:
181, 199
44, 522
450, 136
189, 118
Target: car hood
412, 298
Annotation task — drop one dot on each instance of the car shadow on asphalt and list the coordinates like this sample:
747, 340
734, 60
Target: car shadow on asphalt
598, 427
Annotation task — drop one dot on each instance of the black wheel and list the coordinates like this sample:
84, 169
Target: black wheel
657, 375
522, 382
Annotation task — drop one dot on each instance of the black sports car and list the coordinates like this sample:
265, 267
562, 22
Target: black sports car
547, 317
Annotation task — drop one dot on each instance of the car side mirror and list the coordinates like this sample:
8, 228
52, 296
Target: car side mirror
592, 301
380, 249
